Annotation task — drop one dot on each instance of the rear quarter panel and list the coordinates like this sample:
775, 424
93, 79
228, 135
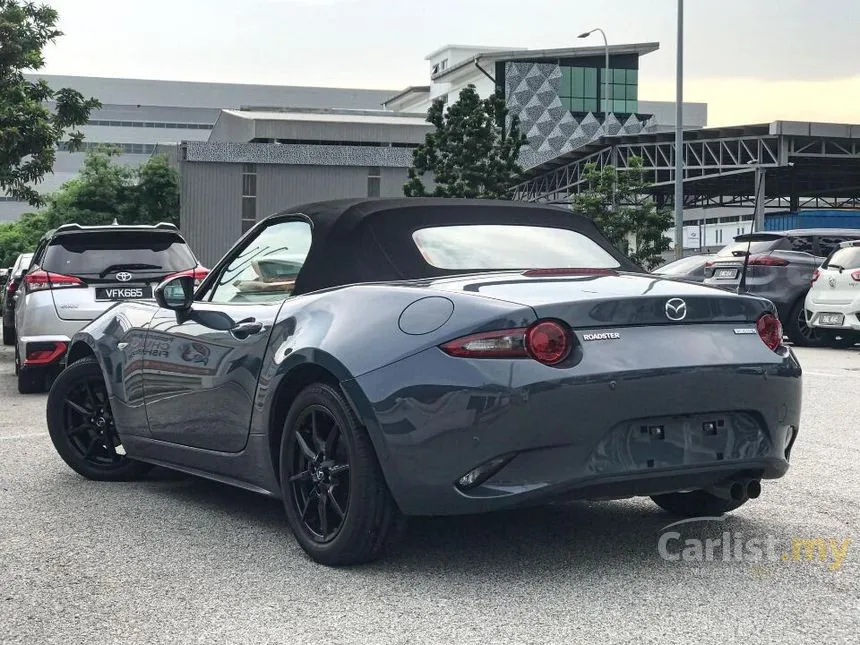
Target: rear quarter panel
357, 329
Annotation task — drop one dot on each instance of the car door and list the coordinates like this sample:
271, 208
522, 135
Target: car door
202, 367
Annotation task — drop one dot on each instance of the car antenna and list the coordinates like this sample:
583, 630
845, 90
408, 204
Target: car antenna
742, 283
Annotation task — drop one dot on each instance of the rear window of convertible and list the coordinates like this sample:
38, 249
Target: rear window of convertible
501, 246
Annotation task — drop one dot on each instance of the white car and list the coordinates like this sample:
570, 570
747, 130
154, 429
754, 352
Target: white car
833, 302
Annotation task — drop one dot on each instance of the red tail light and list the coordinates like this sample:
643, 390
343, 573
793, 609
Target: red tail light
40, 280
815, 275
44, 353
198, 273
770, 330
547, 341
709, 264
535, 273
767, 260
11, 287
856, 275
506, 343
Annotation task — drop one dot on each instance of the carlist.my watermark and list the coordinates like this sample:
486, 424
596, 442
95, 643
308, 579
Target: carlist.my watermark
735, 546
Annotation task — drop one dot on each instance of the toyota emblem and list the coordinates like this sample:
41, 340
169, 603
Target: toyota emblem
124, 276
676, 309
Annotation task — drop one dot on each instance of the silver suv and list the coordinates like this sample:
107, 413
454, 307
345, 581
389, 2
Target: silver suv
76, 274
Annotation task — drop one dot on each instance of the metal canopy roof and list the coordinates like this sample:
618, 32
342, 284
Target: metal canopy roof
803, 164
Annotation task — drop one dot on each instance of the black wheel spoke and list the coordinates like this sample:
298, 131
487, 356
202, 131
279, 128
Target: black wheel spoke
94, 442
78, 430
315, 435
307, 505
91, 395
78, 408
322, 511
305, 474
334, 504
305, 448
331, 441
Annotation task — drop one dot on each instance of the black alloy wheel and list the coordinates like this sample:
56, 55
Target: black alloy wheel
320, 485
82, 428
336, 500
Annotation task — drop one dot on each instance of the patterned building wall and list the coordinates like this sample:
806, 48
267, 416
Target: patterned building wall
532, 94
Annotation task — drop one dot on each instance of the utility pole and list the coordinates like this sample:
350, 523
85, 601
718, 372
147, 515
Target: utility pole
679, 136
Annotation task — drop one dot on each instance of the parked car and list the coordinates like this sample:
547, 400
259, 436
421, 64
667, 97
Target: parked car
16, 273
691, 268
77, 273
433, 357
833, 302
780, 268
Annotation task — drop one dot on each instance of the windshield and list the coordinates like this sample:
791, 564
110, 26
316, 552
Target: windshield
492, 246
95, 253
684, 265
757, 246
847, 258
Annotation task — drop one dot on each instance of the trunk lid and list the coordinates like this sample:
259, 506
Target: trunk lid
613, 299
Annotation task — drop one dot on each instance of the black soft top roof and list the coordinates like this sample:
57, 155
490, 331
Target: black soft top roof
370, 240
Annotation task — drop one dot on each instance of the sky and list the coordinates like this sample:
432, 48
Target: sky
752, 61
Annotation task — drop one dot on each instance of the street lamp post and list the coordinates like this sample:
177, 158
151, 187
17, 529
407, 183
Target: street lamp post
679, 136
586, 34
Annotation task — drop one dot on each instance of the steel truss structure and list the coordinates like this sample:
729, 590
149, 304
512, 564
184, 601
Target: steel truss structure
790, 164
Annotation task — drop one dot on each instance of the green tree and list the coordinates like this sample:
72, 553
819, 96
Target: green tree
471, 153
29, 129
619, 203
104, 191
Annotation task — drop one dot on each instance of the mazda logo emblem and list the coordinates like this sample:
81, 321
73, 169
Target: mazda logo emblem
833, 282
124, 276
676, 309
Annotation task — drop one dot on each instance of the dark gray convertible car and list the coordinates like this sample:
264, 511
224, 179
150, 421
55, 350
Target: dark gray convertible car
367, 360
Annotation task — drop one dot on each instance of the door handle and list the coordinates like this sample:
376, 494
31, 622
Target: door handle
246, 328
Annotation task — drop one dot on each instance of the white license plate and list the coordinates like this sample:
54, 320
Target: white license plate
726, 274
834, 320
123, 293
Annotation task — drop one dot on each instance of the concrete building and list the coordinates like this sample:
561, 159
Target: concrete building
136, 115
258, 162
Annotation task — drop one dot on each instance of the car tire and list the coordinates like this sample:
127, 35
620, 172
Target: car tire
798, 331
336, 500
8, 335
697, 503
82, 441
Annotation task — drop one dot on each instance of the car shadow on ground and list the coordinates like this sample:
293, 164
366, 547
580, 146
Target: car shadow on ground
580, 535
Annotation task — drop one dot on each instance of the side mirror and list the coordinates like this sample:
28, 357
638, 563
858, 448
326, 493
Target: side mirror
176, 294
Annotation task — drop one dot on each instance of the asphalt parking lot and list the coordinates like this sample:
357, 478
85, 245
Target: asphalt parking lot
175, 559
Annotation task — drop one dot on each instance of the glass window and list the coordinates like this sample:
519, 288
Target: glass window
619, 106
577, 105
590, 86
501, 246
632, 76
85, 254
565, 82
249, 185
266, 269
632, 93
847, 258
619, 76
249, 208
577, 81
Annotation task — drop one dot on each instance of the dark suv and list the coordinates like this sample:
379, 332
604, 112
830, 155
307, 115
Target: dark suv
780, 268
78, 272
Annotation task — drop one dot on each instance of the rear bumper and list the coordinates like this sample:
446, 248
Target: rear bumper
570, 436
815, 308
